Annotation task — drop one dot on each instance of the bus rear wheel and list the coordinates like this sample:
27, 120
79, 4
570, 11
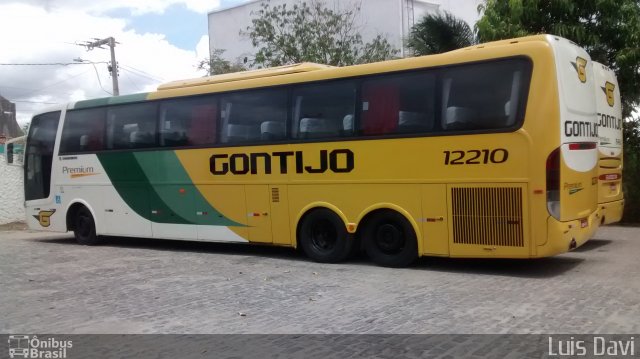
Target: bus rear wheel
323, 236
84, 227
389, 240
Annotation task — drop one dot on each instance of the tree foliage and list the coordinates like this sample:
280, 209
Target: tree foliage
631, 175
312, 32
437, 33
216, 65
608, 29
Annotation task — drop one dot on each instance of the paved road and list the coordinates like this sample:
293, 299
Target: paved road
48, 284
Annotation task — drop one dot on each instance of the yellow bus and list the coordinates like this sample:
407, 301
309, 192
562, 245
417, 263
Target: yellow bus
609, 107
487, 151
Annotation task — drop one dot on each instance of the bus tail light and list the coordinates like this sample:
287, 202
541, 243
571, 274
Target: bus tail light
610, 177
577, 146
553, 183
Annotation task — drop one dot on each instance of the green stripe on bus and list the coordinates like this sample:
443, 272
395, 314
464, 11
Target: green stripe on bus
114, 100
134, 188
173, 185
161, 196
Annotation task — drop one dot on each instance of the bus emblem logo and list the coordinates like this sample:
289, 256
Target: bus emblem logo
608, 90
581, 68
44, 217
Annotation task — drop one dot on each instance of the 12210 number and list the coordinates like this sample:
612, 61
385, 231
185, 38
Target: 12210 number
475, 157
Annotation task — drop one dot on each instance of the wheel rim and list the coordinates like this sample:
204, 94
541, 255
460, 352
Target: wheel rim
323, 236
84, 225
389, 238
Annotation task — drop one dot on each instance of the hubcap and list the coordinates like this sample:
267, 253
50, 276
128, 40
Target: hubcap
323, 236
389, 238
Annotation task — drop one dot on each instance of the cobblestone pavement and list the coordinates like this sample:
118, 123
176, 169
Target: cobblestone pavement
49, 284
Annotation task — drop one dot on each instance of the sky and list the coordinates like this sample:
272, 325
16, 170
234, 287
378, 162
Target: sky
157, 41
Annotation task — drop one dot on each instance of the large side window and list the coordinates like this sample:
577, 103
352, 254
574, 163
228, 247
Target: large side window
402, 103
324, 110
253, 116
83, 131
188, 121
484, 96
132, 126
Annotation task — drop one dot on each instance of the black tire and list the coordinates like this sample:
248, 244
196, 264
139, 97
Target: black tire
389, 240
323, 236
84, 228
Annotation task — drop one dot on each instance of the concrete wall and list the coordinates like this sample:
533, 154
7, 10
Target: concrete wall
11, 193
391, 18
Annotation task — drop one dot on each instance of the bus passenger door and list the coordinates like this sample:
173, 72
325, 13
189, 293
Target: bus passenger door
259, 213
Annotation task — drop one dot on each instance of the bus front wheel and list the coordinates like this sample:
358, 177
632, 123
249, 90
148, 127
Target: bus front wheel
389, 239
84, 227
323, 236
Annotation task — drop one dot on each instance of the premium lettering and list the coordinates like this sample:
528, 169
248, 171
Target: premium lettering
337, 161
77, 170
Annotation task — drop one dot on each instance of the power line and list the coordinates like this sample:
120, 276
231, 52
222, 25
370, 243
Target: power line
56, 83
130, 80
54, 63
28, 89
99, 81
141, 73
44, 102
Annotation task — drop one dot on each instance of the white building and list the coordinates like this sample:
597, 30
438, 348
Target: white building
11, 193
390, 18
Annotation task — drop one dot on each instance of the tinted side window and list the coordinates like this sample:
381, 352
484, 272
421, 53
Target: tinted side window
484, 96
83, 131
398, 104
324, 110
39, 155
188, 122
254, 116
131, 126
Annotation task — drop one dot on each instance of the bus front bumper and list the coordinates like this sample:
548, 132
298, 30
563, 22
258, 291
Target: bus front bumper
612, 211
566, 236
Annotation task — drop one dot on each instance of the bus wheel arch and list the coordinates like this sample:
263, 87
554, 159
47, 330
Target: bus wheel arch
389, 237
81, 220
322, 234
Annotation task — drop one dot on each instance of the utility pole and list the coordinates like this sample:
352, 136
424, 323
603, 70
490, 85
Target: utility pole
113, 68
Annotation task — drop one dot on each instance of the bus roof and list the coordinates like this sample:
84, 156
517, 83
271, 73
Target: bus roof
245, 75
271, 76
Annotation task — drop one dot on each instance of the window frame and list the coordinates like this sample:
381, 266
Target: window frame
437, 130
63, 135
163, 102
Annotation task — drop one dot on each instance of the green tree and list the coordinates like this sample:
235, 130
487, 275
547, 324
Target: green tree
608, 29
216, 65
437, 33
312, 32
631, 175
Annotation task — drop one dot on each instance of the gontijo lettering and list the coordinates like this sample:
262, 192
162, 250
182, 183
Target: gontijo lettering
337, 161
581, 129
